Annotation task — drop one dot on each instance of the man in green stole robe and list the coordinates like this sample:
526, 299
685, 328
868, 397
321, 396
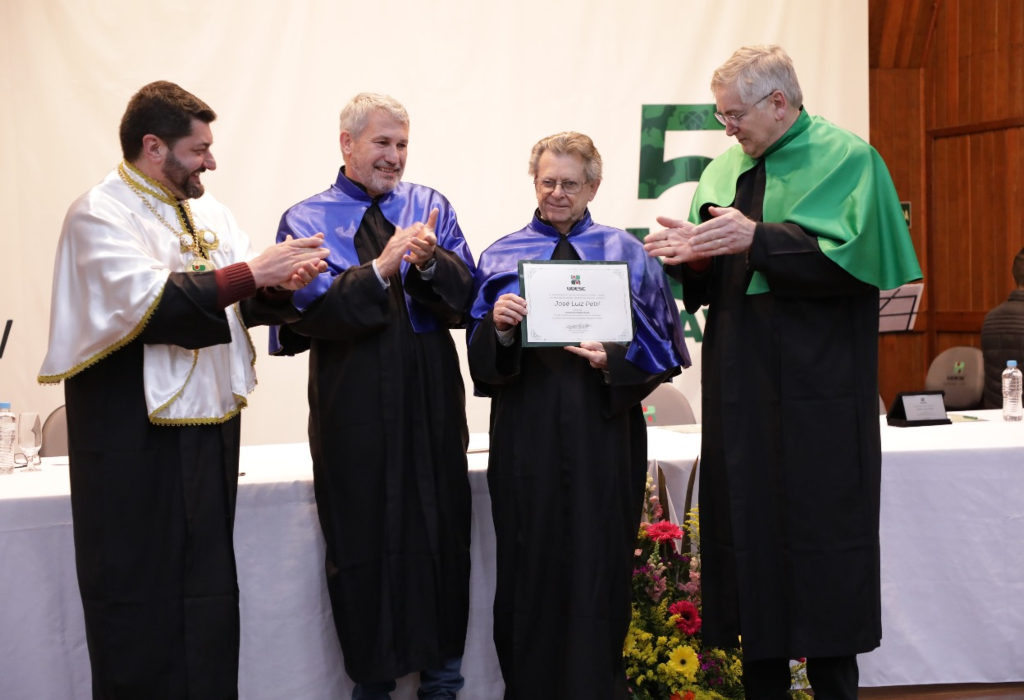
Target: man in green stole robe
791, 234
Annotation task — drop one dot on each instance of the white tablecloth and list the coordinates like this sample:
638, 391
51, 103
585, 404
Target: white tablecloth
952, 551
952, 574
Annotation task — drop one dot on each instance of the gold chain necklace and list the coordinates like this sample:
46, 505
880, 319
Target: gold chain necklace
199, 242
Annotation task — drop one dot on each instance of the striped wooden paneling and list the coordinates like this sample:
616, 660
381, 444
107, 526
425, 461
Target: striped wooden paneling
954, 147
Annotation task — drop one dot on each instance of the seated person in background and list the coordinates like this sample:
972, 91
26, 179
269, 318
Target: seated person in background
568, 457
1002, 337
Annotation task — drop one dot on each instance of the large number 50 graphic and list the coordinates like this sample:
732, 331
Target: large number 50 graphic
657, 175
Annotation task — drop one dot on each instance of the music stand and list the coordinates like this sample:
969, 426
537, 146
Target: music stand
897, 308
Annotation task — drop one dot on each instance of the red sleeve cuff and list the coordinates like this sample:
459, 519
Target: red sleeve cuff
234, 283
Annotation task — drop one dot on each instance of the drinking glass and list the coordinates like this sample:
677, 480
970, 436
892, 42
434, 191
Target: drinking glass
30, 439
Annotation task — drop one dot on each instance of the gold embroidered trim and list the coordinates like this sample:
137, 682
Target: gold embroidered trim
109, 350
190, 238
242, 402
195, 361
252, 347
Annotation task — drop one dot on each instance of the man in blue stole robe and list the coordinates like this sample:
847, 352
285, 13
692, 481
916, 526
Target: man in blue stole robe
568, 451
387, 425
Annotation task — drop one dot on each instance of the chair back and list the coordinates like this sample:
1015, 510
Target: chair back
55, 434
960, 372
670, 406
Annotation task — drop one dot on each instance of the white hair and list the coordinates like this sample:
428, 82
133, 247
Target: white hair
356, 113
758, 71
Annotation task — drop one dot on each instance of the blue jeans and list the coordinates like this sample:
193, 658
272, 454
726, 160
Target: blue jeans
435, 684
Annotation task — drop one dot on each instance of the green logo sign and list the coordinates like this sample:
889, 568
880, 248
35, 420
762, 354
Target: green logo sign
657, 175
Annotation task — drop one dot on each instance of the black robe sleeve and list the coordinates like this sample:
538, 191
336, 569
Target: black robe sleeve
187, 314
492, 363
696, 285
447, 293
355, 306
628, 384
266, 310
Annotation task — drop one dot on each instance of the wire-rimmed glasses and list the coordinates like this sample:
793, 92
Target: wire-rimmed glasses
733, 120
568, 186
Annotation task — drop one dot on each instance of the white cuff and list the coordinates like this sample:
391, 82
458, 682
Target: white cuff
507, 336
384, 282
428, 270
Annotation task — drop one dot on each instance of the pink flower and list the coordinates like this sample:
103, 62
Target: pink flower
690, 588
689, 619
664, 531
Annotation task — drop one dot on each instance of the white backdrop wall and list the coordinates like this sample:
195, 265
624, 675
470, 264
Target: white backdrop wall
482, 82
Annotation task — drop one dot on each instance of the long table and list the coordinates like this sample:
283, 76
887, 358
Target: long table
952, 552
952, 528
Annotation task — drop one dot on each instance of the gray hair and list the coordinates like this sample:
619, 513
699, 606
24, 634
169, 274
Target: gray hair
569, 142
758, 71
356, 113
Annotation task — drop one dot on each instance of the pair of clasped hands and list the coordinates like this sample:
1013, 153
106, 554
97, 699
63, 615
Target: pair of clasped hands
295, 262
728, 232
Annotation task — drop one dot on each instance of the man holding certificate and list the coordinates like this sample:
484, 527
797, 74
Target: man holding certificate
568, 450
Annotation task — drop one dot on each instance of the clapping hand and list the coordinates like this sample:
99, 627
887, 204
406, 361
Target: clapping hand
673, 243
291, 264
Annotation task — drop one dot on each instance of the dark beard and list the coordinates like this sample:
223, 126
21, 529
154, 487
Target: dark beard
178, 175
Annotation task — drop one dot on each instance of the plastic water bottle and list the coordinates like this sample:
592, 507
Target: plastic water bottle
8, 436
1012, 407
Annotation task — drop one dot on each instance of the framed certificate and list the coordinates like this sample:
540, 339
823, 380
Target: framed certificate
569, 301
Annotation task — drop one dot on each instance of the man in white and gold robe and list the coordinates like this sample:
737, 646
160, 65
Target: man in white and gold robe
154, 287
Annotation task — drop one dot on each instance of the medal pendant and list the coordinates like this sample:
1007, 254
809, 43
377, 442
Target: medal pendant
201, 265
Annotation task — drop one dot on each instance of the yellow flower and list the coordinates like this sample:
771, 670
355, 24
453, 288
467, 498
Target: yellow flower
683, 661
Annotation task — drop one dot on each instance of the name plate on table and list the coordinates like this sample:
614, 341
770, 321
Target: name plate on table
569, 301
917, 408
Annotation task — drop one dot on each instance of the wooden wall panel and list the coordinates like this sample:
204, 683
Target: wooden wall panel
949, 244
974, 68
976, 231
902, 363
944, 341
955, 151
897, 122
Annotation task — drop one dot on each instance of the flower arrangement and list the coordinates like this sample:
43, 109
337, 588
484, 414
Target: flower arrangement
665, 659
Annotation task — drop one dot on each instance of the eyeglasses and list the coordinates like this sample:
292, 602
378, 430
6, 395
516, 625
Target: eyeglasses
733, 120
568, 186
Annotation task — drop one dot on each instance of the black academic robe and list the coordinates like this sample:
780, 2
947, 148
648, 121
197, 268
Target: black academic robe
566, 472
790, 459
388, 437
153, 511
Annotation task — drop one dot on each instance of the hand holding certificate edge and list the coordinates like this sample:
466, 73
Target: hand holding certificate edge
592, 351
509, 311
